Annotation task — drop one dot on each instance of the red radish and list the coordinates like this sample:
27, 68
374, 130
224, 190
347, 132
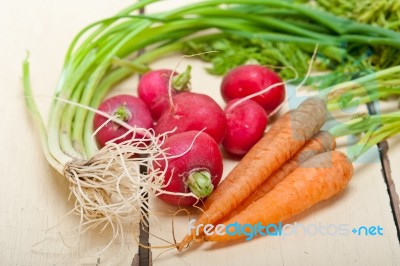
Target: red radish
127, 108
194, 111
194, 168
153, 88
246, 123
249, 79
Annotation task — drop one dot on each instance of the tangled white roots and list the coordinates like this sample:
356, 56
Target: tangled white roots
110, 187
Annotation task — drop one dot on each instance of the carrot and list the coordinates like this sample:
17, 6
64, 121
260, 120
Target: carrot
277, 126
265, 157
321, 142
318, 179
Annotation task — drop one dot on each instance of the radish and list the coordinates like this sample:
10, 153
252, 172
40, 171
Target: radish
193, 111
127, 108
153, 88
246, 123
249, 79
194, 165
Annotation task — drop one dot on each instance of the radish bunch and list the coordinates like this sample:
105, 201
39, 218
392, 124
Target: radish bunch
253, 93
248, 80
195, 124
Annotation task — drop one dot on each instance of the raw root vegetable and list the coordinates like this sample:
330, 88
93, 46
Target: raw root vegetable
106, 53
154, 85
193, 111
126, 108
321, 142
193, 170
109, 187
267, 156
250, 79
318, 179
246, 124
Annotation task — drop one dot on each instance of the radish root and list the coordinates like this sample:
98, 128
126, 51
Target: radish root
110, 187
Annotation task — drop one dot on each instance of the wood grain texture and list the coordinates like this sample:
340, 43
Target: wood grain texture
34, 197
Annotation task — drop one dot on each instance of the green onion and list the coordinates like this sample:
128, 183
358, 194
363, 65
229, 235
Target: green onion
107, 52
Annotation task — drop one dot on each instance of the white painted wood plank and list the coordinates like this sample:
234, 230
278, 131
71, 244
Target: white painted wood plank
33, 196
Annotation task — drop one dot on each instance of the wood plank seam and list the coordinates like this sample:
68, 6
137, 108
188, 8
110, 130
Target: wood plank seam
143, 257
391, 188
383, 148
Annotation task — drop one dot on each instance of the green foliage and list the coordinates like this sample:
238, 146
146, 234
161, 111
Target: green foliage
234, 51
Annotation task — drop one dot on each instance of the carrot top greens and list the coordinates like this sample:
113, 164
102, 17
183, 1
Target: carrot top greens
97, 57
107, 52
346, 61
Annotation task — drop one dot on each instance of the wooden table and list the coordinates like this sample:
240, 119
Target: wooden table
34, 196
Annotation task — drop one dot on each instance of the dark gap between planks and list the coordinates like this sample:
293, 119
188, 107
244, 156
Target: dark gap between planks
383, 148
143, 257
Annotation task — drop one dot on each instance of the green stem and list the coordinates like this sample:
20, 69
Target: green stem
89, 69
58, 160
362, 124
199, 183
362, 80
375, 128
373, 136
66, 124
268, 22
182, 81
133, 66
122, 113
66, 86
104, 24
362, 96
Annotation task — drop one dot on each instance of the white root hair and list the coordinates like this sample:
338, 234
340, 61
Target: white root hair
110, 187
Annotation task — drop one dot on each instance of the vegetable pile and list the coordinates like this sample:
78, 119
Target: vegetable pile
165, 142
267, 156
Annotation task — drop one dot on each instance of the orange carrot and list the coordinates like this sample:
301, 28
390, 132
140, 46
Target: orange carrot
318, 179
321, 142
277, 126
266, 156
